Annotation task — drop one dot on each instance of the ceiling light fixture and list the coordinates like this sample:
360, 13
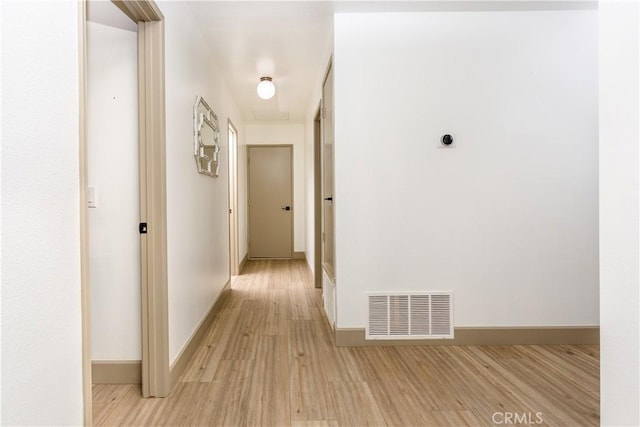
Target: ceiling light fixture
266, 89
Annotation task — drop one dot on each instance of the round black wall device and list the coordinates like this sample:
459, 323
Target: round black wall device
446, 140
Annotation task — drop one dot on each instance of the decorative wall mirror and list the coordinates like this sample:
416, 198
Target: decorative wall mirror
206, 138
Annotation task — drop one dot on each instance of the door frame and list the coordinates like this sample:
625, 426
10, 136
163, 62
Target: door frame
249, 147
85, 300
234, 264
317, 196
330, 270
153, 211
153, 196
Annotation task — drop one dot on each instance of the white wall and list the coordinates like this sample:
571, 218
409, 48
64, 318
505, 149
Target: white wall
41, 316
507, 220
197, 205
619, 213
112, 150
294, 134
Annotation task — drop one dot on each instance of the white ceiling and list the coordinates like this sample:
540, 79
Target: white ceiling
286, 41
290, 41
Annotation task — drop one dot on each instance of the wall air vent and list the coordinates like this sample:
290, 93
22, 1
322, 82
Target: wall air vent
414, 315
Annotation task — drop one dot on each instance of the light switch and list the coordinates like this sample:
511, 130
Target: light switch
91, 197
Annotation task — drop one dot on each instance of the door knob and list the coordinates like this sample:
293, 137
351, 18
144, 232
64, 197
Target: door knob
329, 199
286, 208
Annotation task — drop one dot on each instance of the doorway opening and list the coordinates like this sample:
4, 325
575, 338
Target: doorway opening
113, 208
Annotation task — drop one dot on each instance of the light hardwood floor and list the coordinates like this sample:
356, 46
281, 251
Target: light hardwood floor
269, 360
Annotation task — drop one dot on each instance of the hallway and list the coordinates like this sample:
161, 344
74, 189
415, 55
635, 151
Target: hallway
269, 359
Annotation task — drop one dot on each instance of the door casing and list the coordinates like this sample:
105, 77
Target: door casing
233, 199
153, 206
85, 300
317, 196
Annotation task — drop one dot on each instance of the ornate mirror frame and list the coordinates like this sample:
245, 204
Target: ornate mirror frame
206, 132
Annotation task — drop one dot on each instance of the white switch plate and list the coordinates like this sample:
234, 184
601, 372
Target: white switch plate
91, 197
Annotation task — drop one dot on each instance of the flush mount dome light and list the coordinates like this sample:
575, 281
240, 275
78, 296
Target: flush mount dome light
266, 88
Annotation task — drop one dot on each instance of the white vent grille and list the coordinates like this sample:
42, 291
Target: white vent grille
409, 315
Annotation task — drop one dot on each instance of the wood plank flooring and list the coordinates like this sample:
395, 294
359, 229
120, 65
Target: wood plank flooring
269, 360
